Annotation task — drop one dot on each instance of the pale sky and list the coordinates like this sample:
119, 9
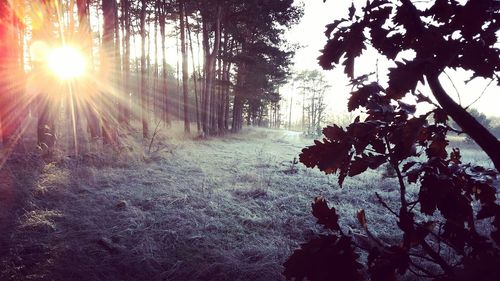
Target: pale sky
309, 33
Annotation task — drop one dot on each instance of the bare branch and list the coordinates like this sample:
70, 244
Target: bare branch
456, 90
481, 95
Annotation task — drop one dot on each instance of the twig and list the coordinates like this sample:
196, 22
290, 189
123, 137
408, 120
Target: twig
437, 258
153, 136
481, 95
456, 90
412, 205
381, 201
428, 100
454, 130
402, 187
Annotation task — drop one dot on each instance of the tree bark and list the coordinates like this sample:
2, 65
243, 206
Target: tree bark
210, 69
185, 78
166, 103
487, 141
156, 65
126, 59
108, 70
144, 93
195, 77
84, 33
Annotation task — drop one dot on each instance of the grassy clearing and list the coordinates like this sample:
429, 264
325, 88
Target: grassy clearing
218, 209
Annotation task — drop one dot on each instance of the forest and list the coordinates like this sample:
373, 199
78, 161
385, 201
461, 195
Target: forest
220, 47
183, 140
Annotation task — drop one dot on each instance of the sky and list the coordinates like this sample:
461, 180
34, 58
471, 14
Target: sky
309, 33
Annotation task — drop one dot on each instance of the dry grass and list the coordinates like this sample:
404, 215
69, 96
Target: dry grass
217, 209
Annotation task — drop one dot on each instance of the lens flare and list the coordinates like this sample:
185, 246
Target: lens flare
66, 62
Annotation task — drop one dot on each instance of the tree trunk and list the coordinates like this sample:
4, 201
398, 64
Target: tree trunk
84, 33
46, 105
108, 64
10, 84
195, 77
156, 65
126, 59
185, 78
166, 103
144, 93
226, 109
178, 71
210, 68
206, 70
117, 78
487, 141
237, 113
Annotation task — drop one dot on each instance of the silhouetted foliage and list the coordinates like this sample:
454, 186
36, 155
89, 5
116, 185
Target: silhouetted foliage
443, 35
390, 132
326, 255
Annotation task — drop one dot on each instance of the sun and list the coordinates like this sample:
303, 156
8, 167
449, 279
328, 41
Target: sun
66, 62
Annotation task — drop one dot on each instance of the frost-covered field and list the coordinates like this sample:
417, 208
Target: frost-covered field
220, 209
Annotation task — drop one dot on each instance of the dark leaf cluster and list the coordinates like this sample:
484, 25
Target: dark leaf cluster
417, 148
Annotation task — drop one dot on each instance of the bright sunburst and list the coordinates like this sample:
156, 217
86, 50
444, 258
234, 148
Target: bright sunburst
66, 62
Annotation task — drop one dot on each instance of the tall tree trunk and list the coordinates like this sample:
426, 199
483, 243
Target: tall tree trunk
149, 74
166, 103
156, 74
144, 92
11, 85
195, 77
237, 113
108, 68
201, 78
238, 100
227, 84
178, 71
210, 68
487, 141
126, 59
185, 78
118, 74
221, 100
205, 113
46, 105
226, 109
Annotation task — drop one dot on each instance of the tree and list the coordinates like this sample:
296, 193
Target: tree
46, 104
415, 146
185, 78
314, 86
210, 61
108, 70
162, 21
261, 61
84, 33
10, 109
195, 76
432, 34
144, 90
241, 42
126, 26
